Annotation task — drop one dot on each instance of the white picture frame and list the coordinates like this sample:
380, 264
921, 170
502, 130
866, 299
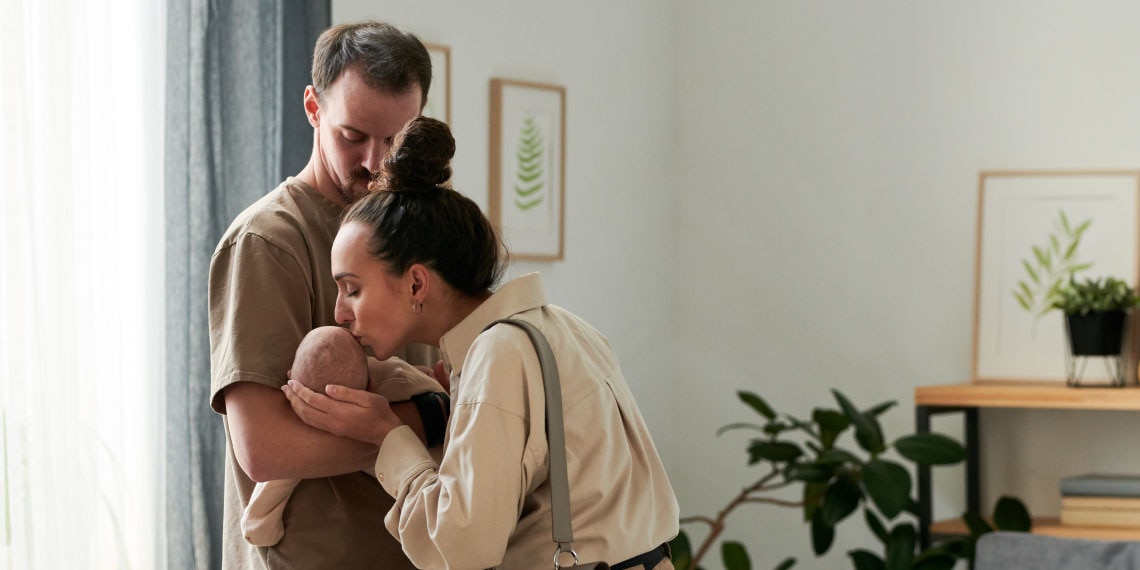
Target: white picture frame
527, 167
438, 104
1021, 210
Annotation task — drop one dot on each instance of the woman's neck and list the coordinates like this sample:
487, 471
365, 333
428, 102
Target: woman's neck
459, 307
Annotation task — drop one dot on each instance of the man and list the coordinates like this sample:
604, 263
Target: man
271, 283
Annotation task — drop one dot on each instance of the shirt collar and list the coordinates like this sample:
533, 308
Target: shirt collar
330, 208
518, 295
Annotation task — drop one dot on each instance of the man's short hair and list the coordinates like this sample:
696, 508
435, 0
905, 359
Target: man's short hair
388, 60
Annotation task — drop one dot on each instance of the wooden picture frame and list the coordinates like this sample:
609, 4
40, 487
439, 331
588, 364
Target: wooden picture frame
438, 104
1027, 224
528, 167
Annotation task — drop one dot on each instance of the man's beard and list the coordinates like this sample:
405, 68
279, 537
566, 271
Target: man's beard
352, 190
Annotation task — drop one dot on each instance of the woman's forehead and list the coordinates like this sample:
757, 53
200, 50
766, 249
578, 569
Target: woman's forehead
351, 241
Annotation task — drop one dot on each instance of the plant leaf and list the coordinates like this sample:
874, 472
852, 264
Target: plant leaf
735, 556
962, 547
900, 550
772, 451
830, 419
1025, 290
879, 409
930, 449
1029, 269
1064, 221
838, 456
809, 473
1081, 229
756, 403
813, 498
888, 484
822, 534
876, 525
740, 425
977, 525
774, 428
866, 560
1071, 249
1011, 514
787, 563
938, 562
681, 551
842, 498
1025, 304
867, 431
831, 425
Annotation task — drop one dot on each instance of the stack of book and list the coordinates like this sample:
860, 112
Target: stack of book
1100, 500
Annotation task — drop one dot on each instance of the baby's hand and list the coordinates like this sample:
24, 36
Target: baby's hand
399, 381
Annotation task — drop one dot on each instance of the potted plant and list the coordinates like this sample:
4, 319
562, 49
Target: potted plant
1096, 311
837, 481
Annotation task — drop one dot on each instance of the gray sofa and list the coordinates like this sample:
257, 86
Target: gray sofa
1023, 551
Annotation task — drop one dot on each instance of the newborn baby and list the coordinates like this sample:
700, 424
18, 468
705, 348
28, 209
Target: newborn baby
328, 355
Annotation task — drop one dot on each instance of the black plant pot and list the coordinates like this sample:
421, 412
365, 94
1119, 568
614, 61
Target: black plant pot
1098, 333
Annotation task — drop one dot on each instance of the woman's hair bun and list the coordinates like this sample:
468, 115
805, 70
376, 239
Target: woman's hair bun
420, 158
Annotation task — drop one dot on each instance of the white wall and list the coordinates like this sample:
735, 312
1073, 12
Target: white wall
781, 196
829, 197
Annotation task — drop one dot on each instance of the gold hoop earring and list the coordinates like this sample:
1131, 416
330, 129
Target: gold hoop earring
417, 308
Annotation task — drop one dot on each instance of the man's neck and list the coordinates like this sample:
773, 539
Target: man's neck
324, 186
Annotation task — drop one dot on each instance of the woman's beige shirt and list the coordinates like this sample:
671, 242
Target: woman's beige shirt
487, 503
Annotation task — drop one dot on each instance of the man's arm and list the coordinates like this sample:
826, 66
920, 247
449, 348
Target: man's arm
271, 442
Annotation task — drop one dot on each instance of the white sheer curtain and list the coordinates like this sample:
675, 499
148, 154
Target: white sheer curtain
81, 284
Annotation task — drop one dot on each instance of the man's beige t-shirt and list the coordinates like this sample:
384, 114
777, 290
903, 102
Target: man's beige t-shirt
270, 284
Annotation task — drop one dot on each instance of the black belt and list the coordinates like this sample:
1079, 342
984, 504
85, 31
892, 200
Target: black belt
648, 560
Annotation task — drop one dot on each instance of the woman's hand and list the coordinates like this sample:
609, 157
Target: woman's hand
346, 412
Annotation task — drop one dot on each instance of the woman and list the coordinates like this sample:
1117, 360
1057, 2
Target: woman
416, 262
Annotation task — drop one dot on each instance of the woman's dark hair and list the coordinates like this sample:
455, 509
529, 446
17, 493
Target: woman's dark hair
415, 217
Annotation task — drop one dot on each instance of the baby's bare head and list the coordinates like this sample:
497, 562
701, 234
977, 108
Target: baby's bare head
330, 355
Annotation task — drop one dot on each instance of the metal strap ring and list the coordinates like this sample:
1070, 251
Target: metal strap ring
558, 551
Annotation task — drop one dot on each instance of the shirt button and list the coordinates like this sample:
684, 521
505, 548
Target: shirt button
380, 476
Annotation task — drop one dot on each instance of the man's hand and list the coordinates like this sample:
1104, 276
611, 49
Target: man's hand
346, 412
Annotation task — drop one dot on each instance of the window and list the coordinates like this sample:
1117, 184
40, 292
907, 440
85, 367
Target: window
81, 284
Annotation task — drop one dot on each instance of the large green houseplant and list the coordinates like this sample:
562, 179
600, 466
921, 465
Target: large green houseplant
836, 481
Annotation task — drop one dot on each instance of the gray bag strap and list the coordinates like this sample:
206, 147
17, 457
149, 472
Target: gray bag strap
555, 437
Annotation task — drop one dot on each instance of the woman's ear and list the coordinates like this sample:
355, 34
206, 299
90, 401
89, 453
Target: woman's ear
420, 279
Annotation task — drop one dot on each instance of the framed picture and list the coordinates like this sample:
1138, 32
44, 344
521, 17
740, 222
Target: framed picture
1035, 229
527, 167
438, 105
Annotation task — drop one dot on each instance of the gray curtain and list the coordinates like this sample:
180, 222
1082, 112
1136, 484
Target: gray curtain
235, 127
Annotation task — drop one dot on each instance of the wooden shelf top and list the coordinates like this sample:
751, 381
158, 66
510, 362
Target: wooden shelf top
1048, 526
1028, 395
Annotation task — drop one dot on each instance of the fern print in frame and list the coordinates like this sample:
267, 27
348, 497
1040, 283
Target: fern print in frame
529, 181
1051, 266
526, 196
